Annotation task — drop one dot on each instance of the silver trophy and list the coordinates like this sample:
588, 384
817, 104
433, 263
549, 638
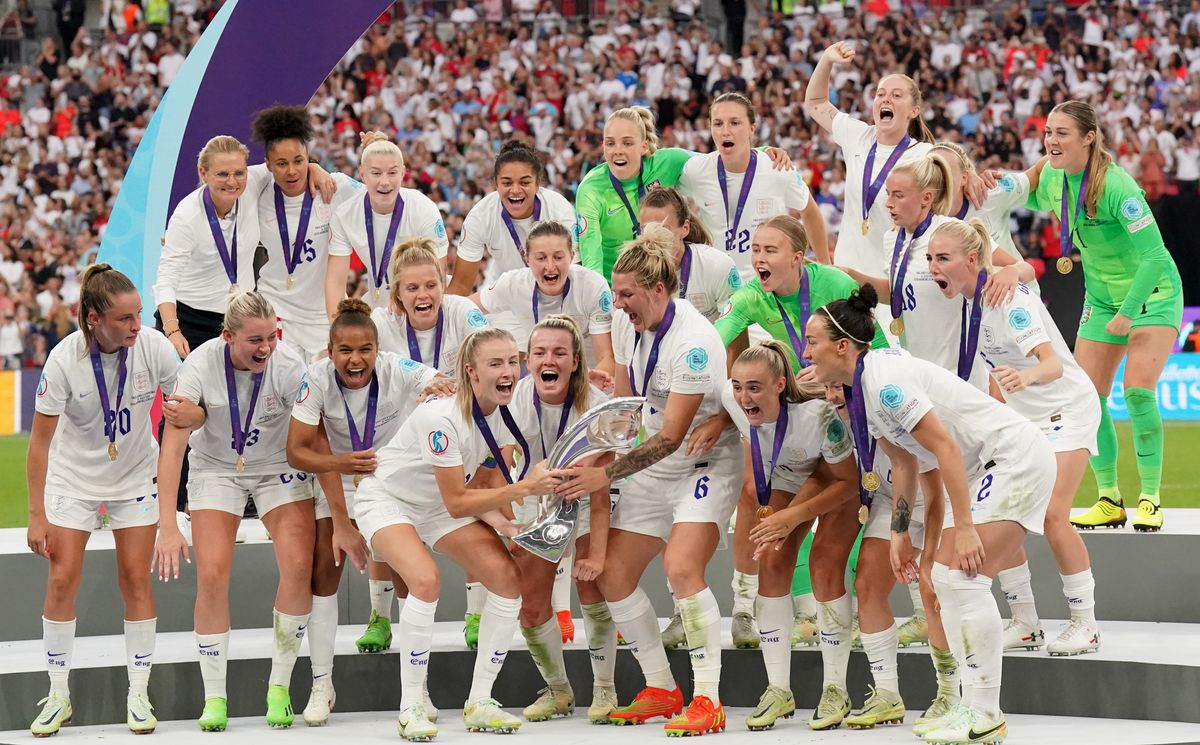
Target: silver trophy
613, 426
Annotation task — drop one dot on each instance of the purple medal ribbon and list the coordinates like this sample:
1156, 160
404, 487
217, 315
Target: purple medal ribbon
762, 479
562, 420
685, 270
900, 263
968, 337
367, 439
379, 270
414, 348
641, 192
871, 189
291, 259
1066, 242
110, 414
490, 439
863, 442
731, 230
962, 211
562, 299
663, 327
228, 258
805, 299
512, 229
240, 432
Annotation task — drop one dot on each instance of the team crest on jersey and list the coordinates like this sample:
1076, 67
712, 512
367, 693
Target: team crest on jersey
1007, 183
734, 278
891, 396
304, 390
475, 319
43, 385
606, 305
697, 359
1019, 319
763, 206
271, 405
1131, 208
439, 442
323, 212
988, 337
439, 229
141, 381
836, 431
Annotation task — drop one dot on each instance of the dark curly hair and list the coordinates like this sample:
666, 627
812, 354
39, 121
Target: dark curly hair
281, 122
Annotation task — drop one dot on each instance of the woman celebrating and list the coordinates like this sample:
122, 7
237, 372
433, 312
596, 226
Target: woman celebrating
546, 404
553, 284
386, 215
1133, 299
360, 397
680, 504
242, 455
91, 447
501, 221
419, 494
707, 277
294, 226
997, 467
421, 322
1029, 359
606, 203
790, 434
735, 190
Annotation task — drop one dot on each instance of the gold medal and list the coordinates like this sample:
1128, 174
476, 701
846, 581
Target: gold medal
241, 464
1065, 265
863, 514
289, 282
896, 326
357, 479
866, 227
377, 294
233, 290
112, 451
871, 481
765, 511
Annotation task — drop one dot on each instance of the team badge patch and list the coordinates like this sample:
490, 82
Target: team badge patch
408, 365
439, 229
580, 226
439, 442
734, 280
697, 359
1131, 208
304, 390
836, 431
1006, 183
1019, 319
606, 303
43, 384
891, 396
475, 319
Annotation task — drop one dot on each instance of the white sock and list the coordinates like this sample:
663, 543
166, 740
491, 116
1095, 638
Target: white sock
546, 649
289, 632
952, 624
833, 619
1018, 592
745, 590
914, 593
1080, 590
634, 618
497, 624
415, 635
214, 658
674, 600
58, 639
383, 592
702, 626
476, 595
982, 634
775, 636
139, 653
805, 604
322, 633
560, 596
881, 648
602, 643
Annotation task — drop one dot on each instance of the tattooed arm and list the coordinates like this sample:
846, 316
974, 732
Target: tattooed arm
904, 488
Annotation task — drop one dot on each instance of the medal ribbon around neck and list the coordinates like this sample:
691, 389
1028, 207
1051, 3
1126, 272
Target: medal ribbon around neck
512, 229
900, 263
641, 192
805, 300
110, 414
229, 258
968, 337
731, 229
856, 405
379, 268
240, 431
292, 258
490, 439
762, 479
871, 188
652, 359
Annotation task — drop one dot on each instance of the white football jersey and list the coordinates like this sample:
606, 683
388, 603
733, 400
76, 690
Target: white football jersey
421, 219
321, 399
79, 465
202, 380
588, 302
460, 319
771, 193
713, 279
484, 228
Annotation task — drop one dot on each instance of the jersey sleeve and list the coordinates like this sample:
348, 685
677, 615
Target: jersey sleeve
258, 178
669, 163
902, 404
53, 389
795, 193
310, 401
734, 410
430, 225
836, 444
622, 338
1024, 324
442, 447
175, 257
725, 281
339, 236
847, 131
1126, 200
599, 309
348, 190
1048, 195
190, 383
470, 247
167, 361
499, 295
693, 370
736, 318
1011, 191
589, 206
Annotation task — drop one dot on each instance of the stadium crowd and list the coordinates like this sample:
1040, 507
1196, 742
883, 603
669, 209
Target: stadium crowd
453, 83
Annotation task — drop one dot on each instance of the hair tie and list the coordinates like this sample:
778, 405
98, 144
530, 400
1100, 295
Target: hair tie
844, 331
